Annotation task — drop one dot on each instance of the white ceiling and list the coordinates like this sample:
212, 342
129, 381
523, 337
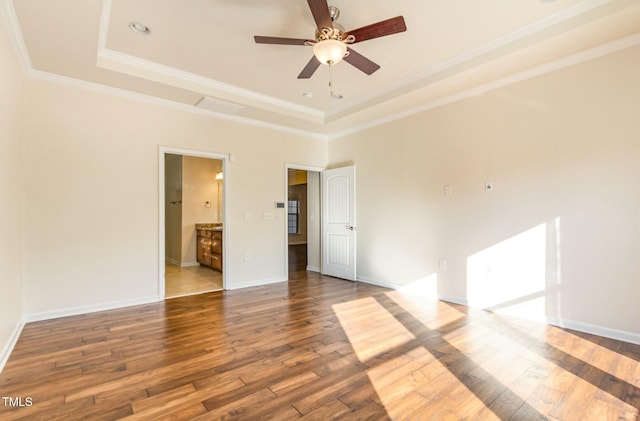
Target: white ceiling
197, 48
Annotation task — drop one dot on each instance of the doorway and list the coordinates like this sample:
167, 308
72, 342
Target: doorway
331, 221
192, 222
303, 220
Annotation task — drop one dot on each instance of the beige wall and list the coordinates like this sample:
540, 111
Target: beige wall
563, 153
92, 195
11, 193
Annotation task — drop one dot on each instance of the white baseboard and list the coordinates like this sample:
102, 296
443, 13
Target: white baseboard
607, 332
453, 299
8, 348
255, 283
189, 264
313, 269
589, 328
74, 311
175, 262
377, 282
171, 261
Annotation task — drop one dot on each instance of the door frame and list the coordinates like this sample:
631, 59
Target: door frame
285, 230
162, 151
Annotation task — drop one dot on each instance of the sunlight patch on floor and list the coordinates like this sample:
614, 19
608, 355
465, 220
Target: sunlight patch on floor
600, 357
432, 313
370, 328
411, 387
495, 362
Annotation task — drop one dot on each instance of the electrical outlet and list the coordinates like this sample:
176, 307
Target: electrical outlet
247, 256
442, 264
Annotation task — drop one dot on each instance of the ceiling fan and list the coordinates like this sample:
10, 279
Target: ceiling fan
331, 41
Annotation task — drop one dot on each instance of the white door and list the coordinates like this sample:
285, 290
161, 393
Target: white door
339, 222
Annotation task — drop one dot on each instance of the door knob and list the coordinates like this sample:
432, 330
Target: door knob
349, 227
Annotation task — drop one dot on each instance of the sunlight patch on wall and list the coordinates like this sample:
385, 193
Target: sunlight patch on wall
424, 287
510, 277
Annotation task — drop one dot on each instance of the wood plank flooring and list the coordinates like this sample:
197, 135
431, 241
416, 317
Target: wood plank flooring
297, 257
315, 348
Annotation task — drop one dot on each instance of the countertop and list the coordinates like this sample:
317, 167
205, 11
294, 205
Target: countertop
209, 227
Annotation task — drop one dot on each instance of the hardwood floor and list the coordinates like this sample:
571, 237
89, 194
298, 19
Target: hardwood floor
297, 257
315, 348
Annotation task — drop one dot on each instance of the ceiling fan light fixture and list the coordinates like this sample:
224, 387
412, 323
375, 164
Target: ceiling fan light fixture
331, 41
330, 51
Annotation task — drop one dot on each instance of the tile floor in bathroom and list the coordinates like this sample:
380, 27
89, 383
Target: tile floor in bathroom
190, 280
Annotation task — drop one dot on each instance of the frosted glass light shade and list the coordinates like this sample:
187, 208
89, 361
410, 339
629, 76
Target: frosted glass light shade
330, 51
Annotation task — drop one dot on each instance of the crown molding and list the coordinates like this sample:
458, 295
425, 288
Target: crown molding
15, 33
612, 47
445, 68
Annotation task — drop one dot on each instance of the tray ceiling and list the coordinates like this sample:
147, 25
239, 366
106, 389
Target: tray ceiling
205, 48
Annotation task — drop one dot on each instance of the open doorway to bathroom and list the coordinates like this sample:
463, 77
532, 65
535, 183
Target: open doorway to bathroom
193, 229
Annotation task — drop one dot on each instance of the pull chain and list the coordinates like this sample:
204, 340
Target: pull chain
336, 96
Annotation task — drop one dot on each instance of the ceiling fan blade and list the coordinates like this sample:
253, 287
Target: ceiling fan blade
379, 29
320, 12
279, 40
310, 68
361, 62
